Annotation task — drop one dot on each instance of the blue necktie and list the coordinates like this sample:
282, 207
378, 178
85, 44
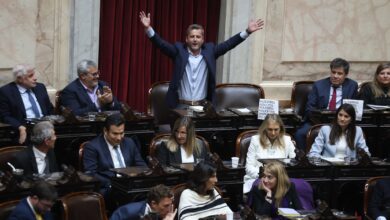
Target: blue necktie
33, 104
118, 156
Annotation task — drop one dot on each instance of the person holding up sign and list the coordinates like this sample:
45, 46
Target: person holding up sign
271, 142
342, 138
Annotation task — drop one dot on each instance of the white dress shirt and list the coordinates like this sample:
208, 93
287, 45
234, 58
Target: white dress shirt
40, 159
114, 155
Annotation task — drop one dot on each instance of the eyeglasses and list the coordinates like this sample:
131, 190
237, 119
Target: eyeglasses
46, 204
95, 74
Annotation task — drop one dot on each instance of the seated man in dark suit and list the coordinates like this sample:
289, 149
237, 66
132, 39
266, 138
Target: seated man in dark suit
327, 94
88, 93
110, 150
23, 98
39, 158
159, 203
379, 203
37, 205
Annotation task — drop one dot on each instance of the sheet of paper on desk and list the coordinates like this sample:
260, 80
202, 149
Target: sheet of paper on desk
243, 110
379, 107
196, 108
333, 159
288, 212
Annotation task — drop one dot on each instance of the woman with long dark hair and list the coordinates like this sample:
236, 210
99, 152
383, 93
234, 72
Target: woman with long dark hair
342, 138
201, 199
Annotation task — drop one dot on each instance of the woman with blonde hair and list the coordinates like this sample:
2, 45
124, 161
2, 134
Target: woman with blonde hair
182, 146
377, 92
271, 142
274, 191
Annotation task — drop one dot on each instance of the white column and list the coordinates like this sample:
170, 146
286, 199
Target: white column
245, 62
84, 33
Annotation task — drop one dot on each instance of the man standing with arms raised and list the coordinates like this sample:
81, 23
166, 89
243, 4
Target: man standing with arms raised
193, 79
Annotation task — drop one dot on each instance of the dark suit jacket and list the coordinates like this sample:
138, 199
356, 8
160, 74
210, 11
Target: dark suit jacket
262, 207
131, 211
12, 109
75, 97
97, 158
380, 198
179, 53
23, 211
26, 160
319, 96
166, 157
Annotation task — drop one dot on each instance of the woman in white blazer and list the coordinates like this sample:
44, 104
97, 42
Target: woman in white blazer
341, 138
271, 142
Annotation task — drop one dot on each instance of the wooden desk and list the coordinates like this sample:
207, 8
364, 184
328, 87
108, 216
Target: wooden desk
128, 187
341, 186
222, 131
20, 187
71, 136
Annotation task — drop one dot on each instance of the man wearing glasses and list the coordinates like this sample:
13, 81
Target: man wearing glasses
88, 93
38, 204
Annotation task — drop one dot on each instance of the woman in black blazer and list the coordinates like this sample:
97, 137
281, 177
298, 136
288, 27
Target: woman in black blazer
182, 146
274, 191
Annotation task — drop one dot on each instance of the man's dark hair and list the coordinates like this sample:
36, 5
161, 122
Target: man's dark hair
195, 27
340, 62
115, 119
159, 192
44, 190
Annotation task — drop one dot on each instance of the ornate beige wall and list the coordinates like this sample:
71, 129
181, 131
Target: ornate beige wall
302, 36
35, 32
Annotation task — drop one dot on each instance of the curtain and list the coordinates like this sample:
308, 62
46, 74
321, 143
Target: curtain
127, 59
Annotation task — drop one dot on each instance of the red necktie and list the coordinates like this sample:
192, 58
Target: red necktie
332, 103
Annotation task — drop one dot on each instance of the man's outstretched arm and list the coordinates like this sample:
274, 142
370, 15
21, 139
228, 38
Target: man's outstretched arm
255, 25
166, 47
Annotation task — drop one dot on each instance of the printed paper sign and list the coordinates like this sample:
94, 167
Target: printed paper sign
267, 106
358, 105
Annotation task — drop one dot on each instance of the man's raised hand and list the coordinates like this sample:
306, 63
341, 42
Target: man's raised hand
145, 19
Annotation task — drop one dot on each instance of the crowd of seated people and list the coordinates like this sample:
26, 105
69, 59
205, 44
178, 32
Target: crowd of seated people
26, 99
